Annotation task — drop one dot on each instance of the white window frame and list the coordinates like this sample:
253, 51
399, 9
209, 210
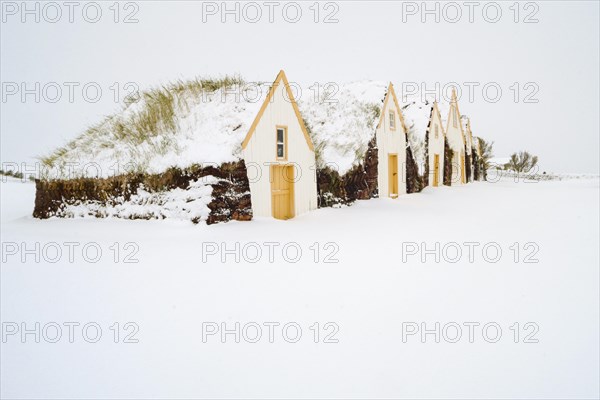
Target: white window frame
282, 143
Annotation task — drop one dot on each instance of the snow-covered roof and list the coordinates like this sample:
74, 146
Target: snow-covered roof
464, 120
444, 109
475, 145
416, 117
342, 124
182, 128
171, 127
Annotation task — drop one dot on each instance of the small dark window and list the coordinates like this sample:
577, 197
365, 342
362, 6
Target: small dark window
281, 143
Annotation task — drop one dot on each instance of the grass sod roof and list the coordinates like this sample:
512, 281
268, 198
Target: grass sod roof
477, 145
204, 121
341, 123
464, 119
198, 121
417, 116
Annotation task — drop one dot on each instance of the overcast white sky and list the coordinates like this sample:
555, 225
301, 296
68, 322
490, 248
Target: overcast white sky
559, 55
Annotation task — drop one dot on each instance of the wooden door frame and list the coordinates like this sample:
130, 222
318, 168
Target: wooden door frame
292, 184
462, 169
436, 171
391, 176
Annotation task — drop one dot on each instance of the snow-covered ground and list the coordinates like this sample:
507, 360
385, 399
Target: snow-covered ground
377, 292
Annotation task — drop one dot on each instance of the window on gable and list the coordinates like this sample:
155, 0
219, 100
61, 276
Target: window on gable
281, 143
454, 118
436, 129
392, 120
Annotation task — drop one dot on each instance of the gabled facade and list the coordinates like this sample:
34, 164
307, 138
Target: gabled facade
280, 157
466, 125
477, 160
426, 139
391, 148
435, 139
456, 142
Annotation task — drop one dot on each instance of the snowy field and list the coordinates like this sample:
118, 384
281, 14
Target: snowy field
541, 336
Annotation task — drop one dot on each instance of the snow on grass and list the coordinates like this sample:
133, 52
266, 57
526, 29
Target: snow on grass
16, 198
417, 112
464, 120
368, 293
184, 204
416, 117
476, 145
180, 124
444, 109
342, 123
535, 175
202, 122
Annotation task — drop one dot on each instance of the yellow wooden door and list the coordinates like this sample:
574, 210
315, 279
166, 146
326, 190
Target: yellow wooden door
462, 169
436, 169
282, 191
393, 174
